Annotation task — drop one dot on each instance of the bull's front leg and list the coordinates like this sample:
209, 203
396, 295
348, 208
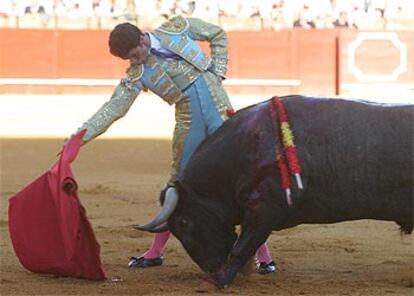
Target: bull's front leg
257, 225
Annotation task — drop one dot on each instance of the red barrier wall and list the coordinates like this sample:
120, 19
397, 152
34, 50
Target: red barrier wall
377, 53
317, 58
57, 54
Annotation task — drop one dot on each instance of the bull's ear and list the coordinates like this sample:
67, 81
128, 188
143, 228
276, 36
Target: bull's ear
176, 184
180, 189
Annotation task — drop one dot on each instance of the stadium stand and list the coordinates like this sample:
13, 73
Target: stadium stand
232, 15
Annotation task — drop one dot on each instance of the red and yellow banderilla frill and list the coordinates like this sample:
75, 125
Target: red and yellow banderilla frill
287, 160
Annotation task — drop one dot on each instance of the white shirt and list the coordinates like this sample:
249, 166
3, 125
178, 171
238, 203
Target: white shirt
156, 44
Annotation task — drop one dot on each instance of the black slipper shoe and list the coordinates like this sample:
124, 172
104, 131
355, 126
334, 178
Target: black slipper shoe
142, 262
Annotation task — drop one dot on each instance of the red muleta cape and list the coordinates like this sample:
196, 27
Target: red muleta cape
48, 225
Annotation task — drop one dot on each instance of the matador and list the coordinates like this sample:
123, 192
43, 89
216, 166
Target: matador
169, 62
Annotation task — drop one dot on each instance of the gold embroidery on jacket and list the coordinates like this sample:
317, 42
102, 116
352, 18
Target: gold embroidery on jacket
118, 105
134, 72
180, 45
156, 77
219, 95
181, 130
176, 25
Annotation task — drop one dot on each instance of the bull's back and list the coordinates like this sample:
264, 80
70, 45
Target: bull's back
357, 160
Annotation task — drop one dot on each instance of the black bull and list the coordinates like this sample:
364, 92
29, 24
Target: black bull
357, 163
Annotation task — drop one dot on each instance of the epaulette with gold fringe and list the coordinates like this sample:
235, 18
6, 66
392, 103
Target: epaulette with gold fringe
134, 72
175, 25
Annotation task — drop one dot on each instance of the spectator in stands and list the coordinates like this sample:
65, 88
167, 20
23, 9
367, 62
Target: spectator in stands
34, 8
357, 16
170, 63
180, 7
229, 8
74, 11
278, 18
166, 8
102, 7
364, 14
342, 20
37, 11
304, 19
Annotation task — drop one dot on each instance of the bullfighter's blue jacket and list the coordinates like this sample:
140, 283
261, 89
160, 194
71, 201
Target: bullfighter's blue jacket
192, 83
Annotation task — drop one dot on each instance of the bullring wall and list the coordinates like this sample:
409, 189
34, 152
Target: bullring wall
323, 62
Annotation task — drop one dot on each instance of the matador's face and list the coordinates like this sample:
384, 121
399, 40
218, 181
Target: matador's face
139, 54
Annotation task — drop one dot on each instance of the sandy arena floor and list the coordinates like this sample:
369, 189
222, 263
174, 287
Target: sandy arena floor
119, 183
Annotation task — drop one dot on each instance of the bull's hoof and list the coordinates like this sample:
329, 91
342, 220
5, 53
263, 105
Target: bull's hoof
142, 262
265, 268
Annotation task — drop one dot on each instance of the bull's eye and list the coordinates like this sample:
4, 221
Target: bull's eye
185, 223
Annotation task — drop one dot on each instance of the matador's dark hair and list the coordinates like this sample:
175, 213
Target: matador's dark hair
123, 38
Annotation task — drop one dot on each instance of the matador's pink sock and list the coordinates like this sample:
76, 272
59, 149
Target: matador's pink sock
158, 245
263, 254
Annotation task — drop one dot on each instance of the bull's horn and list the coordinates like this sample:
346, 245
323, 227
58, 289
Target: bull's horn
170, 202
157, 229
